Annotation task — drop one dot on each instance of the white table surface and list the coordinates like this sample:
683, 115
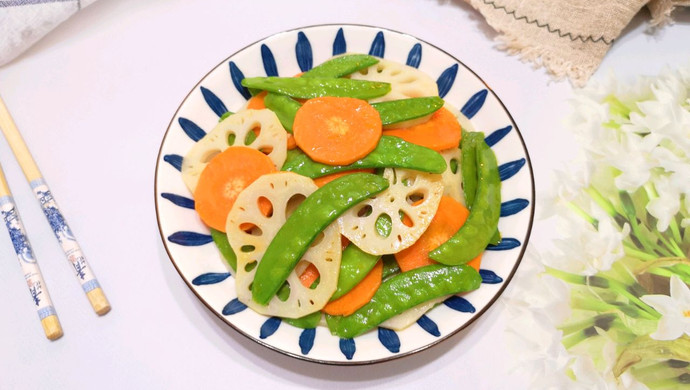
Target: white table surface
93, 100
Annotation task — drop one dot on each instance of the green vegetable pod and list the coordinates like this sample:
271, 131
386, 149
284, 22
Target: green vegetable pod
309, 321
403, 110
221, 241
402, 292
354, 266
341, 66
481, 225
284, 107
295, 236
391, 152
469, 144
308, 88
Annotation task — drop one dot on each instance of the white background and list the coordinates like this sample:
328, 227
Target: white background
93, 100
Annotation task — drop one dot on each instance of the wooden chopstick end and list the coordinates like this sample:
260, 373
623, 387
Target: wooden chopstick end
52, 327
98, 301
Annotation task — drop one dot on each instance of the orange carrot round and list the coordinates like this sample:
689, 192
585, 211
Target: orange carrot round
291, 144
257, 101
337, 130
359, 295
450, 216
441, 131
323, 180
225, 176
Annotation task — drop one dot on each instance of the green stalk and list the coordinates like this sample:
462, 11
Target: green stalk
638, 254
602, 202
582, 213
604, 282
667, 273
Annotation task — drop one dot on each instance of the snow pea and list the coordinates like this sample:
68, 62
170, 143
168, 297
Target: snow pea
405, 291
468, 145
307, 322
316, 212
390, 266
307, 88
342, 66
476, 233
284, 107
221, 241
391, 152
354, 266
396, 111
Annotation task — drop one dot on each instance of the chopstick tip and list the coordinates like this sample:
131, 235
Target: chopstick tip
52, 327
98, 301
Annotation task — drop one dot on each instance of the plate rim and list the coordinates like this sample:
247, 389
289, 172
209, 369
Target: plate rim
412, 352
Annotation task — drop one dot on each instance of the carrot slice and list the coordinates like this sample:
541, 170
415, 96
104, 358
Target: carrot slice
291, 144
309, 275
441, 131
337, 130
358, 296
323, 180
450, 216
257, 101
225, 176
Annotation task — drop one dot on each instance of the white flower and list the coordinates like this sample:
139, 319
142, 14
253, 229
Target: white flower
674, 310
667, 205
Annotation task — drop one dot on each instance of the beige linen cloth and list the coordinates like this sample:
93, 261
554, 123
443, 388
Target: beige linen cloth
567, 37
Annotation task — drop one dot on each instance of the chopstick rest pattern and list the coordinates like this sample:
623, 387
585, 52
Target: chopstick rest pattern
32, 274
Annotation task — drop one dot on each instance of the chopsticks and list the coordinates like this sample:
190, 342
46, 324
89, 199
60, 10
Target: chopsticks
46, 199
32, 274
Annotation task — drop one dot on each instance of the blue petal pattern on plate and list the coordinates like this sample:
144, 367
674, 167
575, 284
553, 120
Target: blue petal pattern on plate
497, 135
459, 304
233, 307
179, 200
514, 206
509, 169
389, 339
174, 160
237, 76
415, 56
213, 101
472, 107
446, 80
428, 325
269, 327
269, 61
490, 277
191, 129
210, 278
339, 44
504, 245
306, 340
190, 238
378, 46
303, 52
348, 348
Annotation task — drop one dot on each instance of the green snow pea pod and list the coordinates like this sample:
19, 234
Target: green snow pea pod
307, 88
476, 233
390, 266
396, 111
284, 107
342, 66
468, 145
391, 152
354, 266
316, 212
221, 241
405, 291
307, 322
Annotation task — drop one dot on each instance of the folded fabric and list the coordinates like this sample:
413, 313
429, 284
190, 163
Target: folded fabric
24, 22
568, 38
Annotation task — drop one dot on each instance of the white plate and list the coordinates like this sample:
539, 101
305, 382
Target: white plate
196, 258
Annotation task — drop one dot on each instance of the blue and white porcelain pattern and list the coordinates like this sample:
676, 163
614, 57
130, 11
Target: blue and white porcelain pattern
189, 243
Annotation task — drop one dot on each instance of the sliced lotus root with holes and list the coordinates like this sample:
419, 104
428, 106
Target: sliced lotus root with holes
406, 81
272, 140
250, 232
411, 193
452, 181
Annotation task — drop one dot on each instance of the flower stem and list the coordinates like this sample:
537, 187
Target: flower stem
582, 213
636, 253
602, 202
